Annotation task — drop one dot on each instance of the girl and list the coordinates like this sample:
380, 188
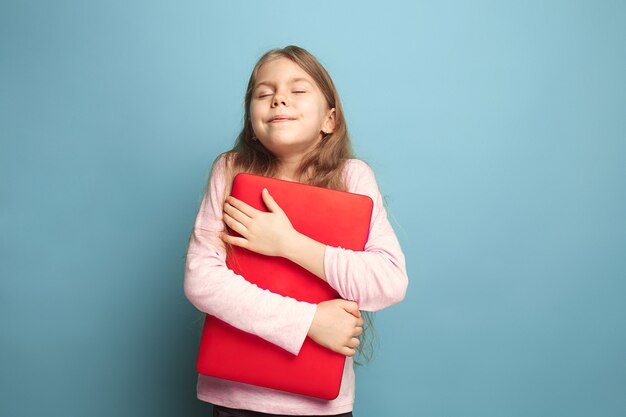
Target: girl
294, 129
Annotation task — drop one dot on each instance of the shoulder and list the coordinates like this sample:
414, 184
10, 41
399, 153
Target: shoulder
218, 183
360, 177
356, 164
355, 167
222, 167
223, 162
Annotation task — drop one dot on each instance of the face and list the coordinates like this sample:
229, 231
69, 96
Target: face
288, 111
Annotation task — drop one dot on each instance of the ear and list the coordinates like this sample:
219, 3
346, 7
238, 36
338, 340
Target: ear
329, 121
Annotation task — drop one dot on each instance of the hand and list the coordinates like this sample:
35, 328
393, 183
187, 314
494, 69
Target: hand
336, 325
267, 233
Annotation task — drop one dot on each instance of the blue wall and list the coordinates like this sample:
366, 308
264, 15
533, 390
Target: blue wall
498, 134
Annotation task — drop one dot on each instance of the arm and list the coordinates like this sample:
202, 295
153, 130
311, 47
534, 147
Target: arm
271, 233
375, 278
214, 289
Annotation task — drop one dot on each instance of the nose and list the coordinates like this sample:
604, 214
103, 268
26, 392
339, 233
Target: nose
278, 100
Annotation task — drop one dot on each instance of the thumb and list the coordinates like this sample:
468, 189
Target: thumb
352, 308
269, 201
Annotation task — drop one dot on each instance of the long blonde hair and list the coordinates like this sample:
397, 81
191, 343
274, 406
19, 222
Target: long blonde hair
323, 166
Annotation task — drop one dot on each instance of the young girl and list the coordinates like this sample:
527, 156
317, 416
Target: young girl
294, 129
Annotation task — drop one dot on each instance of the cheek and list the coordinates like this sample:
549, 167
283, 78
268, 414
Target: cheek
314, 105
312, 108
255, 114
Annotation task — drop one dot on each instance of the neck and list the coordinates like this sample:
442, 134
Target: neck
289, 161
287, 168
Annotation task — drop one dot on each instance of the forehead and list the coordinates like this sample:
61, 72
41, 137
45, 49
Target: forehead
281, 70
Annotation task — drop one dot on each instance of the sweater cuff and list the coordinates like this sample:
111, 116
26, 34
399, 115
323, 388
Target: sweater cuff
306, 316
330, 266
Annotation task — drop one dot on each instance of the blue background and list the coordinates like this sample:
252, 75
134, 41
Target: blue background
497, 130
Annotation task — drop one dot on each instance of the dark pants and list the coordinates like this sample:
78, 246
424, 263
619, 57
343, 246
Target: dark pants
220, 411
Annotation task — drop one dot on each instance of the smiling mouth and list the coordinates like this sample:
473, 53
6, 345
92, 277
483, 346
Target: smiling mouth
281, 119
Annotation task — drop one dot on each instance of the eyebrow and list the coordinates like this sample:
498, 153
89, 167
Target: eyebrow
291, 81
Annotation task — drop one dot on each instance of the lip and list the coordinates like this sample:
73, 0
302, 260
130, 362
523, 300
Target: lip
278, 119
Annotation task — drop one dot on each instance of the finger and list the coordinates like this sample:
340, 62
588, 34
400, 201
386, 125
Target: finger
241, 206
347, 351
236, 214
358, 330
352, 308
354, 343
235, 225
269, 201
233, 240
360, 321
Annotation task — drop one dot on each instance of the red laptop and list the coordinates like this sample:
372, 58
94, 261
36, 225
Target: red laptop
332, 217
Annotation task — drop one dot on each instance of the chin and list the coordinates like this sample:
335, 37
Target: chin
279, 140
280, 146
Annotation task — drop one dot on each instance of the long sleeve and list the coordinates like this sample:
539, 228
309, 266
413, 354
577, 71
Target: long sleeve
215, 289
375, 278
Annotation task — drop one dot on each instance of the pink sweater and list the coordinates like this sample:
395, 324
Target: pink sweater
375, 278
